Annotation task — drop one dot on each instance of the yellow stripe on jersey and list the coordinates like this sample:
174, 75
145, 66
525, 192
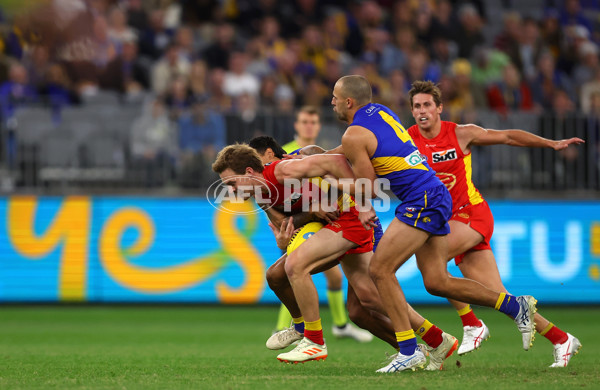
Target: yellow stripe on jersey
474, 195
387, 165
344, 201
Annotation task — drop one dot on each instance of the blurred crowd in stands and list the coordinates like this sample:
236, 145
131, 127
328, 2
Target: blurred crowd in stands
199, 60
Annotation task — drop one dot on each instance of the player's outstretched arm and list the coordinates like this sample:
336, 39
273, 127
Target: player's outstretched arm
311, 166
476, 135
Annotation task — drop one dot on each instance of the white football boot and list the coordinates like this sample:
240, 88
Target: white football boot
441, 352
305, 351
284, 338
565, 351
402, 362
351, 331
524, 319
472, 338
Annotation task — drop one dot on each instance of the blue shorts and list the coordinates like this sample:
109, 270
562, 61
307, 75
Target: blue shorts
377, 234
429, 210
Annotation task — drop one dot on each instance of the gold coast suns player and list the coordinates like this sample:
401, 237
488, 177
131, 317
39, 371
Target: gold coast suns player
447, 147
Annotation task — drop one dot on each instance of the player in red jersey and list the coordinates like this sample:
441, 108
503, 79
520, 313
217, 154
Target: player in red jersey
447, 147
440, 344
240, 167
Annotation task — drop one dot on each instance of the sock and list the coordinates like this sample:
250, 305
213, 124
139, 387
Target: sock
554, 334
337, 307
284, 318
508, 304
430, 333
468, 318
314, 331
407, 342
299, 324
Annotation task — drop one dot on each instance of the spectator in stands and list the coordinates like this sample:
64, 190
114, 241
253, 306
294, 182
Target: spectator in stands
571, 14
508, 38
442, 24
184, 39
270, 38
398, 98
395, 54
57, 91
137, 17
548, 80
106, 49
16, 92
237, 80
154, 144
37, 63
126, 74
118, 29
488, 65
470, 30
219, 101
199, 80
258, 63
155, 39
179, 99
201, 136
588, 90
510, 94
526, 50
443, 53
420, 68
170, 67
587, 65
217, 54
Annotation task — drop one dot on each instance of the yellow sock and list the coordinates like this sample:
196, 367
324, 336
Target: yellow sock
465, 310
284, 318
337, 307
500, 300
314, 325
406, 335
424, 328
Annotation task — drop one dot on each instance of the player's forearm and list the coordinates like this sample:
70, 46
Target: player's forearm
524, 138
311, 149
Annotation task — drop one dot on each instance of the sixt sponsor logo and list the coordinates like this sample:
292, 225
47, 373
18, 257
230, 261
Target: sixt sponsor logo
445, 155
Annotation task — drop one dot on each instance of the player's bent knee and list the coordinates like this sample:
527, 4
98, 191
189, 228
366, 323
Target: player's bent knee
277, 278
435, 287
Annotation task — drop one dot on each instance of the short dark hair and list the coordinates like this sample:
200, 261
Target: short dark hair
426, 87
356, 87
310, 110
264, 142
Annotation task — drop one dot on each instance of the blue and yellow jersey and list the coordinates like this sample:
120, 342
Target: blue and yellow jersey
396, 157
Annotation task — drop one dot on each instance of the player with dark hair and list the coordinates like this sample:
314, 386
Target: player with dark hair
447, 147
378, 146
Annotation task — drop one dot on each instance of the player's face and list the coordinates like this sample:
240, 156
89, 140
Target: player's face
243, 184
340, 105
307, 125
425, 112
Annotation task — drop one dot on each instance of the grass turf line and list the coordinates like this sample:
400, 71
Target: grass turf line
198, 347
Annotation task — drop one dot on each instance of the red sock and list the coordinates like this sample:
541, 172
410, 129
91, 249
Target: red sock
470, 319
433, 337
554, 334
316, 336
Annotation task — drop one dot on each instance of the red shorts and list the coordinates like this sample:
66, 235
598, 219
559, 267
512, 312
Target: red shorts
352, 230
480, 218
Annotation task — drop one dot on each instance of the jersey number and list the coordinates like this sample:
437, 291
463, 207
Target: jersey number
398, 128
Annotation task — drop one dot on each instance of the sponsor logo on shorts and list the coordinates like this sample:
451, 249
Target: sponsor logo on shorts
306, 236
335, 225
445, 155
426, 219
463, 215
411, 209
408, 215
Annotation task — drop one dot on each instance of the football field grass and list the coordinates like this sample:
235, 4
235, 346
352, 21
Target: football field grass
217, 347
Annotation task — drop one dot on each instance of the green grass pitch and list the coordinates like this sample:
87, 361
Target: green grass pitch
218, 347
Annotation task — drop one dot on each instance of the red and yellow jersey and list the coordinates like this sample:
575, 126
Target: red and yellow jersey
292, 198
452, 166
